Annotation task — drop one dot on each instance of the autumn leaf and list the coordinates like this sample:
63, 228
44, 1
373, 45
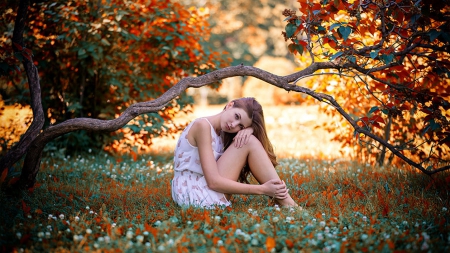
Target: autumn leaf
270, 243
3, 177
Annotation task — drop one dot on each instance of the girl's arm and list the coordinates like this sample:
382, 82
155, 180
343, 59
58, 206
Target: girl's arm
242, 137
201, 131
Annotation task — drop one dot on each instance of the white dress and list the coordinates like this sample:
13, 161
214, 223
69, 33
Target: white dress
189, 186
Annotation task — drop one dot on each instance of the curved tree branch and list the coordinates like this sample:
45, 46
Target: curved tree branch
32, 160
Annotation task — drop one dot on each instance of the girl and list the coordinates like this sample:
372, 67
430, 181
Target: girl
215, 154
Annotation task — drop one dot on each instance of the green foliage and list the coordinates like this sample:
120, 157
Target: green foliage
101, 202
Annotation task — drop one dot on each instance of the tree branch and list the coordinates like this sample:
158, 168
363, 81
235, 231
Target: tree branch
32, 160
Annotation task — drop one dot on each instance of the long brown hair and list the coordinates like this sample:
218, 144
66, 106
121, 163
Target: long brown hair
255, 112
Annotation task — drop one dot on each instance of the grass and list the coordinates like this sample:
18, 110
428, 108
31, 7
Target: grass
99, 202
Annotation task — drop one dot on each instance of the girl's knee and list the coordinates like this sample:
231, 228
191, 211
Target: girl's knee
253, 141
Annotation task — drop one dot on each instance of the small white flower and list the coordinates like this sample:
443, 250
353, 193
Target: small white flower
140, 238
130, 234
40, 234
19, 235
157, 223
50, 216
314, 220
61, 216
148, 244
146, 233
250, 210
254, 242
107, 239
91, 212
364, 218
424, 246
68, 230
170, 242
88, 231
322, 223
344, 239
238, 231
101, 239
96, 245
47, 235
275, 219
319, 236
277, 209
217, 218
77, 218
113, 225
444, 209
364, 236
161, 248
87, 208
426, 237
219, 243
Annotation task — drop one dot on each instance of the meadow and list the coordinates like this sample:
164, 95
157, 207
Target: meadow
102, 202
99, 202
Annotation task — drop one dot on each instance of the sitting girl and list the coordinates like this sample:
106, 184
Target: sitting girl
214, 155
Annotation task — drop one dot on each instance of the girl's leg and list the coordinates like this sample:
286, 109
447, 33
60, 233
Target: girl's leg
234, 159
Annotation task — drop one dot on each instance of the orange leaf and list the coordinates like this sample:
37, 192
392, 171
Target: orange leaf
19, 47
26, 209
270, 243
3, 177
377, 118
289, 243
134, 155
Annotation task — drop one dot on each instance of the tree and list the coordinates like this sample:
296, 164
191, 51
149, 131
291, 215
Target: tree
392, 61
379, 64
98, 57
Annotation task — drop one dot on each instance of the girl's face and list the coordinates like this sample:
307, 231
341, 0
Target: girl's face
234, 119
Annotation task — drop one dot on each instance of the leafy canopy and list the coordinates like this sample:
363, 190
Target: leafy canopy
95, 58
393, 68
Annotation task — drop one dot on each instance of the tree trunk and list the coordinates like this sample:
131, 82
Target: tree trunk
18, 150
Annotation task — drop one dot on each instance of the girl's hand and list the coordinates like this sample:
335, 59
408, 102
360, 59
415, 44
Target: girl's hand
242, 137
275, 188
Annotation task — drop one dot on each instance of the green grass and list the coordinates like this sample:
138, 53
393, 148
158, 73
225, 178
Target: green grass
105, 203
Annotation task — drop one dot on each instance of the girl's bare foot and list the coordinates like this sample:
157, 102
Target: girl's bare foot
287, 202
